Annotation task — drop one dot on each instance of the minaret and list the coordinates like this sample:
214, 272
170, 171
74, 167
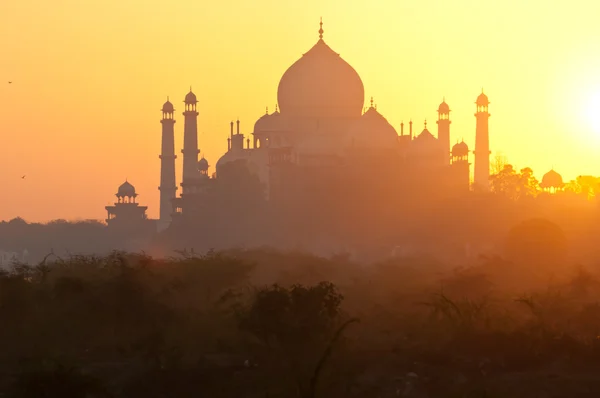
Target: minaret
168, 184
482, 143
190, 143
443, 123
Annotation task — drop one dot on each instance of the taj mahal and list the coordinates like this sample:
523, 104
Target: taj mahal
319, 130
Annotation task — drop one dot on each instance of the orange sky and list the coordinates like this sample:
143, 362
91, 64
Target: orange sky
89, 78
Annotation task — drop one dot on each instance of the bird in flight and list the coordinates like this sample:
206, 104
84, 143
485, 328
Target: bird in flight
9, 82
23, 177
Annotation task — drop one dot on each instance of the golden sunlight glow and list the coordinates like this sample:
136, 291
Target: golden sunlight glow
593, 113
89, 77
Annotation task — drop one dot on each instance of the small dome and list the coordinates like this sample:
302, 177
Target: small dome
190, 98
262, 123
373, 131
272, 122
460, 149
552, 180
444, 108
226, 158
425, 144
425, 136
168, 107
126, 190
482, 99
203, 164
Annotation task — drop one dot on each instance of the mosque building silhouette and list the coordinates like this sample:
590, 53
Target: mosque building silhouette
320, 129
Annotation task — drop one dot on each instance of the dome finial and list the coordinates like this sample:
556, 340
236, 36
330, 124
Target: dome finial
371, 102
267, 111
321, 29
276, 108
425, 124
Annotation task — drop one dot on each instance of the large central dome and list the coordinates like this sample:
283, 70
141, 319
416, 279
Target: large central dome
321, 85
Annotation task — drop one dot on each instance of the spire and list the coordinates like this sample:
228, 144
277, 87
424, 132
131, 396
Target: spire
321, 29
267, 111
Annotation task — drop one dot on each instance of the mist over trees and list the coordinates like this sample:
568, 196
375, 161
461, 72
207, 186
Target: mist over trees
483, 294
367, 224
262, 323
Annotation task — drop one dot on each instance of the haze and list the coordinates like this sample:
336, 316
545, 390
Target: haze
89, 78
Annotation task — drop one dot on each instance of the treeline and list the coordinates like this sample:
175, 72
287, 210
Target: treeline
521, 184
371, 222
60, 237
263, 323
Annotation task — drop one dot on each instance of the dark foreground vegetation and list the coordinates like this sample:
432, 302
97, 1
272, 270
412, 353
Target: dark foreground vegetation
269, 324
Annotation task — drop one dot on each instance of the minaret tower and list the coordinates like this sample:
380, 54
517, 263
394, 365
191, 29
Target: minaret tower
443, 123
482, 143
190, 144
168, 184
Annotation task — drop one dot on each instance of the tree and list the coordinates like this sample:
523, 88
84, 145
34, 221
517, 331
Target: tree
299, 325
530, 186
293, 317
498, 162
513, 185
586, 186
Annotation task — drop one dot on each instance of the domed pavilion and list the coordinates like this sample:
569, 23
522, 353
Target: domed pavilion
552, 182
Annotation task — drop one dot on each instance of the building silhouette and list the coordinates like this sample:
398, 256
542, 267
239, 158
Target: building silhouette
190, 149
321, 143
168, 184
126, 213
443, 123
552, 182
482, 143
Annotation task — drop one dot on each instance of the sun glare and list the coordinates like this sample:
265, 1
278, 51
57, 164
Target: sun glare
593, 112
